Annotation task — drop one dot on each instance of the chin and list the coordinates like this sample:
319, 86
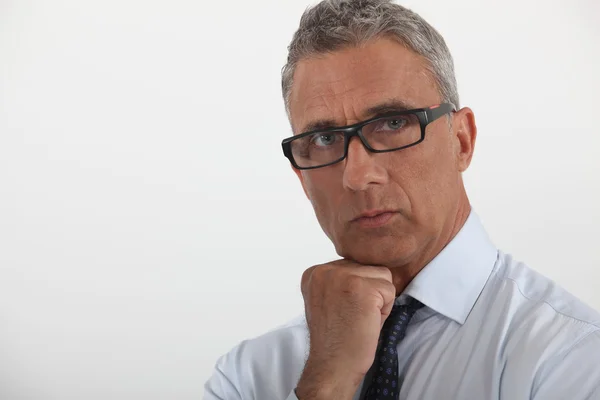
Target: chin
388, 250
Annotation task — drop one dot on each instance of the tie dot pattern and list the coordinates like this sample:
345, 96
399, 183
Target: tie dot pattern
384, 382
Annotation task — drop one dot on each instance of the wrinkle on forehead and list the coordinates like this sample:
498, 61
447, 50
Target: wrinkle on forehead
342, 85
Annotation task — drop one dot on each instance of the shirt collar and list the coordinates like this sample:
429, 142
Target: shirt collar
451, 283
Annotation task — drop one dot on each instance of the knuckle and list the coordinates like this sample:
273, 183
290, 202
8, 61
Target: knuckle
388, 275
306, 275
385, 273
353, 284
314, 276
390, 290
306, 279
391, 287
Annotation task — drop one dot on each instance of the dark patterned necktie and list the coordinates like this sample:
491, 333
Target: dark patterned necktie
384, 382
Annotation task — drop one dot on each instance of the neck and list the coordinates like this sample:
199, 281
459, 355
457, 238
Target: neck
402, 275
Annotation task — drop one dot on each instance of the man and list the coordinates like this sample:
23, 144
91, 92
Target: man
421, 304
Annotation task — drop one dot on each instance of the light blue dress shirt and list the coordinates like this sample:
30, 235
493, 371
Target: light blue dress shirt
491, 328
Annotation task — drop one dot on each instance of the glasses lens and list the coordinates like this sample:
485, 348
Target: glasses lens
318, 149
393, 132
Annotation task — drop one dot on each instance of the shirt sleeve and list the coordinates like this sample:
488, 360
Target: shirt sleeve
224, 383
574, 375
221, 385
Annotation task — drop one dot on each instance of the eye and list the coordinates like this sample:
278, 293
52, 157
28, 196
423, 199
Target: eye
324, 139
393, 124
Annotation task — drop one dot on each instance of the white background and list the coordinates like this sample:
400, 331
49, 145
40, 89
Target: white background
149, 222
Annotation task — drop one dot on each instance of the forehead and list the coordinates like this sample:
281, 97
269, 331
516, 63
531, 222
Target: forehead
341, 86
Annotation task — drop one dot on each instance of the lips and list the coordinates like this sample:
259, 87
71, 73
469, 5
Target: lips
374, 218
373, 213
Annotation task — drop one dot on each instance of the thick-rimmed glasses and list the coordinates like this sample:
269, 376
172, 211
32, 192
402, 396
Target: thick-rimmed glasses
391, 132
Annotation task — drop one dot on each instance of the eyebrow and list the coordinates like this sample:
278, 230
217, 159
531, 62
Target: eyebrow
387, 107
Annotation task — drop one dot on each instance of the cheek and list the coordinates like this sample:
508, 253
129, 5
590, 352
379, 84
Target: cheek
424, 174
323, 199
321, 190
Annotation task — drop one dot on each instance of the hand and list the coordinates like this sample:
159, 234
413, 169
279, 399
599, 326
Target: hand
346, 305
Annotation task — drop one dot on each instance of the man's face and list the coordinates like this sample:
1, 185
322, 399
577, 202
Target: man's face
422, 184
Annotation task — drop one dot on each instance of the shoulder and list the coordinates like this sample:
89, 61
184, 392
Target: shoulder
540, 295
542, 324
537, 329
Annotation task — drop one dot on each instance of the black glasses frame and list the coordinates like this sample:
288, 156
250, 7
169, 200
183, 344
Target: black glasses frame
425, 115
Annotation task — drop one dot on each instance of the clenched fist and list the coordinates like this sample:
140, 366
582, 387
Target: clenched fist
346, 305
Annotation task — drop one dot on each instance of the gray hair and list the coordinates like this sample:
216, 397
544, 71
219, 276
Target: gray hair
335, 24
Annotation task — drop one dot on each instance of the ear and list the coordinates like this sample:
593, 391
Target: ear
465, 132
301, 178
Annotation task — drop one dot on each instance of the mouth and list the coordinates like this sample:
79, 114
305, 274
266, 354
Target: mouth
374, 219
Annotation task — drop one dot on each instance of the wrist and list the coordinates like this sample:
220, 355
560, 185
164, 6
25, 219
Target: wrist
322, 391
326, 383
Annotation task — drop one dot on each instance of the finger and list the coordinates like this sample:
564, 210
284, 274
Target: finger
387, 292
375, 272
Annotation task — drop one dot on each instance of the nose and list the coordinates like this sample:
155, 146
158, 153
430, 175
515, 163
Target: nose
361, 168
